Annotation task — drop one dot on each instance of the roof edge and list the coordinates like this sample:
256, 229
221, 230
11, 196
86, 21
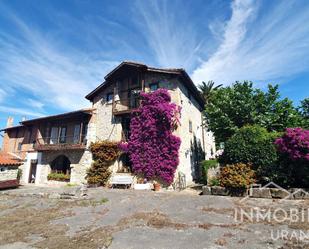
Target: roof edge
86, 111
24, 123
91, 95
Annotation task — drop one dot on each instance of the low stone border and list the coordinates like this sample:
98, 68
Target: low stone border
79, 193
268, 193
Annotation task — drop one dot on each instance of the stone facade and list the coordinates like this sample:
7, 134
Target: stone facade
80, 161
8, 173
193, 135
191, 131
8, 176
107, 126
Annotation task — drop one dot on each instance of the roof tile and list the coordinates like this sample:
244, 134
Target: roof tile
7, 159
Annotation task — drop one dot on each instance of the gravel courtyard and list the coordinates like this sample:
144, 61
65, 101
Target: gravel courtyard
31, 218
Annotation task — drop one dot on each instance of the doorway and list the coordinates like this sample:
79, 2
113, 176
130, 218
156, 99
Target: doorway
125, 124
61, 165
32, 173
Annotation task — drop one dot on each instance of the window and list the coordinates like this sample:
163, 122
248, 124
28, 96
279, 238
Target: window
84, 133
2, 169
19, 146
54, 135
63, 133
154, 86
76, 133
109, 97
134, 97
190, 126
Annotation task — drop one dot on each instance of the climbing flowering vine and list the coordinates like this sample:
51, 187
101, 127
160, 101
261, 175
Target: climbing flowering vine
294, 143
152, 147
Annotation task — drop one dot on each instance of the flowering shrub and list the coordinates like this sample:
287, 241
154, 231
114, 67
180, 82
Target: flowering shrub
104, 154
292, 169
105, 150
58, 177
294, 143
152, 147
123, 146
237, 176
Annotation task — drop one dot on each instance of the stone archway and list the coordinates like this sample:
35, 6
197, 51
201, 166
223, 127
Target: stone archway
61, 164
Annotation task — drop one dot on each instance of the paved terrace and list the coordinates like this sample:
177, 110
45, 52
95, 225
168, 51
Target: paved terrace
32, 217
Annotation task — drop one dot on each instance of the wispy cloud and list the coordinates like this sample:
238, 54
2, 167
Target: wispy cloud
35, 103
20, 111
261, 45
170, 35
53, 67
2, 95
57, 75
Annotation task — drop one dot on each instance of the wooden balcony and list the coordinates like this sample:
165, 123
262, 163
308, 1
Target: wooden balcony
61, 143
125, 105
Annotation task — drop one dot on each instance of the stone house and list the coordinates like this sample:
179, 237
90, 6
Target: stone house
51, 144
61, 142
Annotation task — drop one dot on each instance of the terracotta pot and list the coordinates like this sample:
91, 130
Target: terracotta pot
156, 186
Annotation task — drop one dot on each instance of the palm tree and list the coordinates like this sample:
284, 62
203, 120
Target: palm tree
207, 88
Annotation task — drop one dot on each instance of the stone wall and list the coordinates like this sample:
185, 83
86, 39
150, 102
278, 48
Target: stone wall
80, 162
8, 173
198, 135
109, 127
261, 192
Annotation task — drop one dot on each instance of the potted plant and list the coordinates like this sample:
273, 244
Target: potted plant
156, 186
142, 184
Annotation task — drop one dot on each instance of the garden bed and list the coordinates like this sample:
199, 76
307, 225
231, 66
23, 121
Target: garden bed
58, 177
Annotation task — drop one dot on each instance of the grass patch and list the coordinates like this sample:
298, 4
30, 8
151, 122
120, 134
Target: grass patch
71, 185
103, 200
94, 203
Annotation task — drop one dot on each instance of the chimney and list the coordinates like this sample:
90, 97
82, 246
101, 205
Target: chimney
24, 118
10, 122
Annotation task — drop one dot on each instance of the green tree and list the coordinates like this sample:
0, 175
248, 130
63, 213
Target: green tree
241, 104
207, 89
304, 112
304, 108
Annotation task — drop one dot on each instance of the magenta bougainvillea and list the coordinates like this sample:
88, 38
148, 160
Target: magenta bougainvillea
152, 147
294, 143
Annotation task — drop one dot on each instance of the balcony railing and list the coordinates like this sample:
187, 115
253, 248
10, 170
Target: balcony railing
61, 143
126, 104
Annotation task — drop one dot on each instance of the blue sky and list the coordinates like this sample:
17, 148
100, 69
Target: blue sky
52, 53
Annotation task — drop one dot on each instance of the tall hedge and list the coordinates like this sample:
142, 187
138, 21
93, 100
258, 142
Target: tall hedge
104, 154
254, 145
293, 167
